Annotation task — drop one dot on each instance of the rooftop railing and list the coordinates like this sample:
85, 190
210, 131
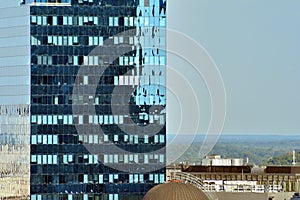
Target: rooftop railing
193, 180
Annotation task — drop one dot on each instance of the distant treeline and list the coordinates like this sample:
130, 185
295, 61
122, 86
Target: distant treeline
260, 152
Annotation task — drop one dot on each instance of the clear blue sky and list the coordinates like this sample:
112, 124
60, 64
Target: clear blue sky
256, 46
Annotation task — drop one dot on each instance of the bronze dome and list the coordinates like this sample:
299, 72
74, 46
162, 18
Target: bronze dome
175, 191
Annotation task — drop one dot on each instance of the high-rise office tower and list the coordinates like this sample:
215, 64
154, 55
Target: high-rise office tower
83, 85
14, 99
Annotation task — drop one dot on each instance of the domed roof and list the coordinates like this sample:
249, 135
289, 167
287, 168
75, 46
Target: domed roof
175, 191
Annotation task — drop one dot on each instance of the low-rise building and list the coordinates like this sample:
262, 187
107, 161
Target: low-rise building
217, 160
276, 181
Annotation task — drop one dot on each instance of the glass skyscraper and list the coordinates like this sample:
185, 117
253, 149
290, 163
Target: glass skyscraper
95, 103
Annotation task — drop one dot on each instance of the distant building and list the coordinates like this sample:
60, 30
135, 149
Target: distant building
271, 179
239, 182
171, 169
216, 160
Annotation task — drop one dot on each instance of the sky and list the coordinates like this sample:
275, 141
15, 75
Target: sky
255, 45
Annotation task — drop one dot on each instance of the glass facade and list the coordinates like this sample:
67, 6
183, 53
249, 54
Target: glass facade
120, 48
14, 101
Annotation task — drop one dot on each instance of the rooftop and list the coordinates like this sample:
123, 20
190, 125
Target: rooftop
175, 191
